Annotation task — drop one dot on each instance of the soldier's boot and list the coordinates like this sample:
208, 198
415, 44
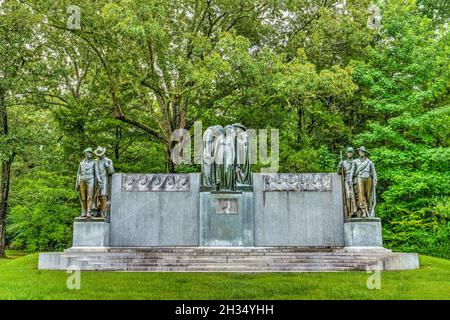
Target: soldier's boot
364, 212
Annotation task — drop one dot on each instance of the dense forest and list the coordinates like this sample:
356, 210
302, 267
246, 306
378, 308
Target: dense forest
136, 70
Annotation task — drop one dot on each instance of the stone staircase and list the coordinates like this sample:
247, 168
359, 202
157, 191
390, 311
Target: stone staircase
224, 259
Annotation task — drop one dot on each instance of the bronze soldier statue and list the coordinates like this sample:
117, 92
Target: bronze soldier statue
344, 169
365, 179
105, 172
87, 177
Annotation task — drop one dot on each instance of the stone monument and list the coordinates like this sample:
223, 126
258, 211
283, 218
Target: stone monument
226, 197
227, 218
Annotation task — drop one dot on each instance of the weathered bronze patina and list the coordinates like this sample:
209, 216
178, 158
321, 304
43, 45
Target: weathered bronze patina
364, 181
87, 177
105, 172
344, 169
226, 157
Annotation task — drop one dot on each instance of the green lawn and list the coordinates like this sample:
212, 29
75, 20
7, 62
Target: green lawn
20, 279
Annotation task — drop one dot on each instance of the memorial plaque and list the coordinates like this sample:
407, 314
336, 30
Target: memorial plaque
227, 206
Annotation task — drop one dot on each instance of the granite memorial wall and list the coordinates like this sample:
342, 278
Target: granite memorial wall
172, 210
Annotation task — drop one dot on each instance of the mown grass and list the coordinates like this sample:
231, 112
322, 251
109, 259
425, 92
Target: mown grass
12, 254
20, 279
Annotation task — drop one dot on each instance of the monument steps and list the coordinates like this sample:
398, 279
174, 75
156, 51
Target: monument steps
212, 261
250, 265
295, 259
225, 254
238, 269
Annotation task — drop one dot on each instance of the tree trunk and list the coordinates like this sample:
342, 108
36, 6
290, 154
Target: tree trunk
118, 137
5, 173
170, 164
300, 119
4, 195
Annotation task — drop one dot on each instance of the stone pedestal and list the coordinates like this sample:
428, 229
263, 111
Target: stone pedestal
90, 233
226, 219
363, 232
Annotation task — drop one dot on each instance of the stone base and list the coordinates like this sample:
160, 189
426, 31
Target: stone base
226, 219
401, 261
363, 232
90, 233
53, 261
225, 259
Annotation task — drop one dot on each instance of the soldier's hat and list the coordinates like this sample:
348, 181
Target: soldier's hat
362, 148
350, 149
88, 150
100, 151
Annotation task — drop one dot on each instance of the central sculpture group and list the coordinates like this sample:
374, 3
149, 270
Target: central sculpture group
226, 157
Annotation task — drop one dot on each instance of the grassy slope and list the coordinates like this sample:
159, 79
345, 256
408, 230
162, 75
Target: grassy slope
20, 279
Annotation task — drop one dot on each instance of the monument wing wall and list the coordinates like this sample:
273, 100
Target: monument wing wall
299, 209
155, 210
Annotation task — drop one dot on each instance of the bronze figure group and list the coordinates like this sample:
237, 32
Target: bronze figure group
359, 182
94, 183
226, 157
226, 166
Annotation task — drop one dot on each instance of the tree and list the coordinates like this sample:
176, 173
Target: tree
173, 68
405, 87
17, 48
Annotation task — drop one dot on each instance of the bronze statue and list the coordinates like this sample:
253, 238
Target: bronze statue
365, 180
243, 173
105, 172
226, 158
87, 177
209, 168
344, 169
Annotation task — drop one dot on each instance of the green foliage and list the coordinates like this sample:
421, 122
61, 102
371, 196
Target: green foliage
312, 69
308, 160
421, 231
42, 213
405, 85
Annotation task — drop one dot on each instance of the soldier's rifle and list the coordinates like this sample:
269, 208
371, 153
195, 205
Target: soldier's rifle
346, 209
